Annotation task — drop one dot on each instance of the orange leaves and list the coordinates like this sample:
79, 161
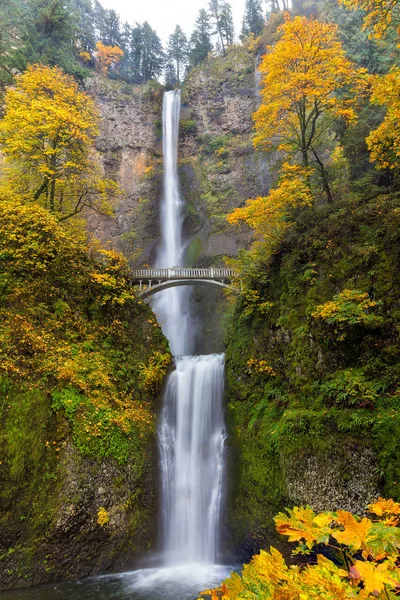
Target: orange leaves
107, 56
384, 507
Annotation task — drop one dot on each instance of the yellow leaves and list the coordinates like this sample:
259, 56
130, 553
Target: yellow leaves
269, 216
378, 16
384, 507
384, 142
302, 75
152, 374
355, 533
304, 524
268, 576
260, 366
107, 56
47, 136
374, 577
102, 516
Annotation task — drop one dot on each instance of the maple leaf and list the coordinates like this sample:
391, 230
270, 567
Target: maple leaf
304, 524
355, 533
383, 540
373, 576
384, 507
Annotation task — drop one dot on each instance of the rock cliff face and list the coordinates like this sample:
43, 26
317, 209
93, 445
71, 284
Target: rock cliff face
219, 169
129, 146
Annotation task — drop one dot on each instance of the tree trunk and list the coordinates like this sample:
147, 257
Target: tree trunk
324, 177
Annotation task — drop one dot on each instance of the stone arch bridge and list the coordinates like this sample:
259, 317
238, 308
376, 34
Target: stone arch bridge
151, 281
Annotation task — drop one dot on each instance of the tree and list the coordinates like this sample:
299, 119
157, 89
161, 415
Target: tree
136, 52
48, 36
177, 50
380, 14
200, 41
107, 57
111, 34
270, 216
221, 15
253, 20
152, 55
307, 84
47, 136
384, 142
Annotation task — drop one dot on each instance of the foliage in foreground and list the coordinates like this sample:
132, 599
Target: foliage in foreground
344, 557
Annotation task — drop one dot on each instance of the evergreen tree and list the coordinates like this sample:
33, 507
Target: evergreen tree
85, 35
177, 51
152, 57
200, 41
221, 14
99, 18
12, 14
111, 30
253, 20
125, 66
135, 53
48, 36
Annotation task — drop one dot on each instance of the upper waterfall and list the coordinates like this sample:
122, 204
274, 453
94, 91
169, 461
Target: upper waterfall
172, 306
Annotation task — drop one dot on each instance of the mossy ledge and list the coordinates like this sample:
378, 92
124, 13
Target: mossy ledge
82, 362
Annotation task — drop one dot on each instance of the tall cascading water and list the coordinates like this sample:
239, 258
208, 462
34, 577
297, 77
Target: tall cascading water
172, 306
191, 431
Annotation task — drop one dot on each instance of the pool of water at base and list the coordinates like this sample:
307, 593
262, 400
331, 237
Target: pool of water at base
182, 582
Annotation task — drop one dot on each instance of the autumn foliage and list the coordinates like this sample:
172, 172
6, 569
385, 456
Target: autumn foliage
107, 57
307, 79
384, 142
379, 13
343, 557
47, 136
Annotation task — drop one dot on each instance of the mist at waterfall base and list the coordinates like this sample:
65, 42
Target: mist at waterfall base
191, 437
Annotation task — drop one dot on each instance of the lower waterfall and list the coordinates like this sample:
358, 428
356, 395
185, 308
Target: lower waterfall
192, 438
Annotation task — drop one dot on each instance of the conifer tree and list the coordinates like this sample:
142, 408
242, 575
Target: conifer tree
253, 20
200, 41
152, 57
177, 51
221, 15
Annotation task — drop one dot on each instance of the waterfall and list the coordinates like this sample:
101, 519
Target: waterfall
191, 430
172, 306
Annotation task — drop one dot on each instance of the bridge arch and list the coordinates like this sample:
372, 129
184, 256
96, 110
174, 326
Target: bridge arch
164, 285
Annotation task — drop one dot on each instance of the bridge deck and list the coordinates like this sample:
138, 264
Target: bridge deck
182, 273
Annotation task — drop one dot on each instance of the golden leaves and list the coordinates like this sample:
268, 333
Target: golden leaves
384, 141
355, 534
268, 576
302, 75
384, 507
303, 524
47, 136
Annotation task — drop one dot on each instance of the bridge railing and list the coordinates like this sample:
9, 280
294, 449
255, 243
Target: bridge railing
183, 273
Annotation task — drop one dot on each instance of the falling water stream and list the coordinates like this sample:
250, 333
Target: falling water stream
191, 435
